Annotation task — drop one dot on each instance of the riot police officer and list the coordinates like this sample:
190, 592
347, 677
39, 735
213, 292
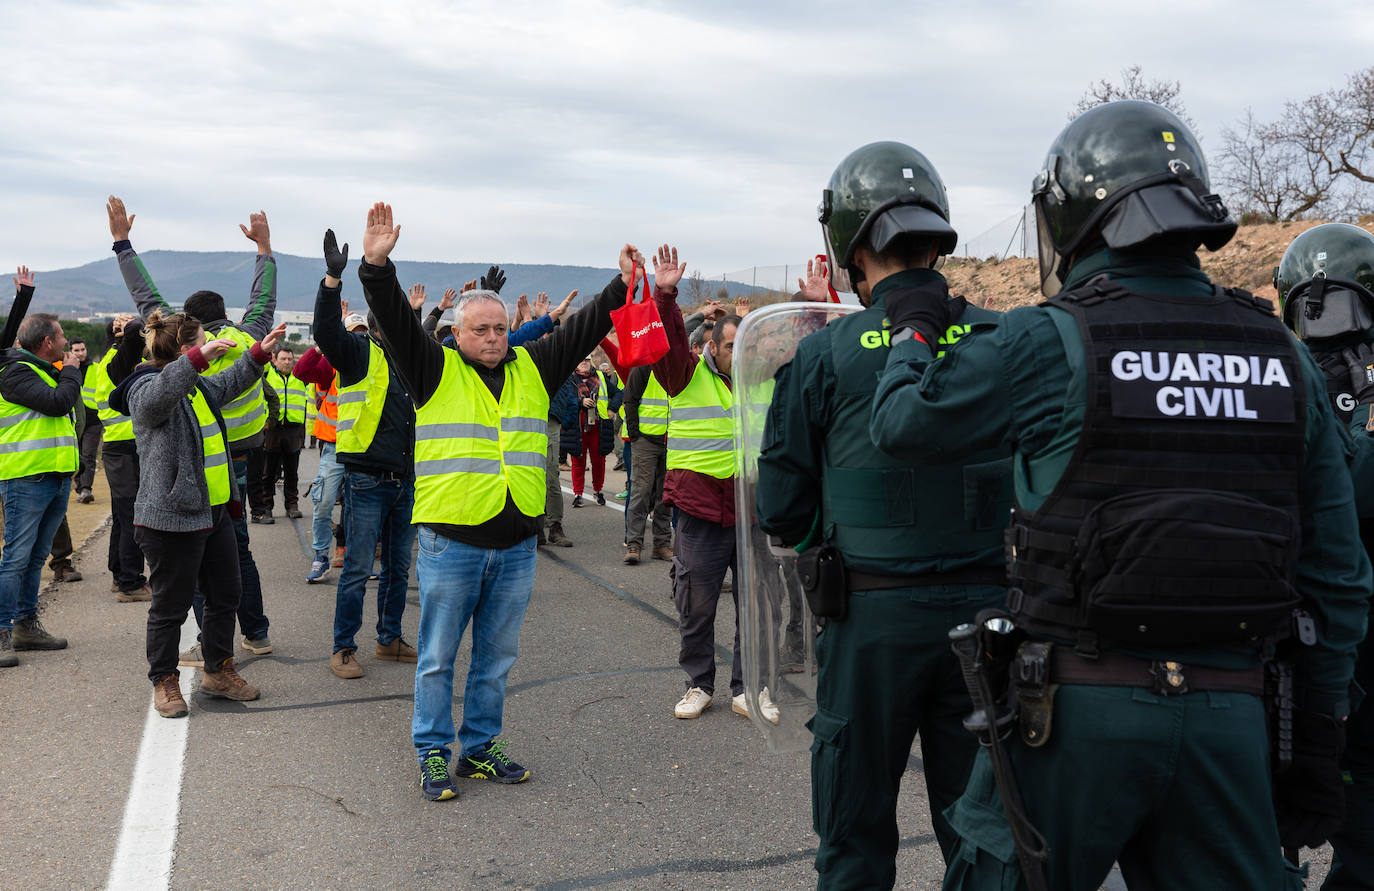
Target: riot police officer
1182, 506
921, 545
1326, 294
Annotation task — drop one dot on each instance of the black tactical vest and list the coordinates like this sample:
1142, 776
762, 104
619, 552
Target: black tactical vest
888, 516
1177, 519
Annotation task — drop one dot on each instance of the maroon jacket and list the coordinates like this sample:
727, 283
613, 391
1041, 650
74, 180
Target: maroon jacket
701, 495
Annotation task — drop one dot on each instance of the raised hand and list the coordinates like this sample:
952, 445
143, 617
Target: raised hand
494, 280
667, 271
816, 286
417, 296
22, 278
343, 306
446, 302
557, 312
258, 232
522, 309
628, 259
335, 260
713, 310
469, 286
121, 321
741, 306
120, 221
379, 238
213, 349
273, 337
541, 305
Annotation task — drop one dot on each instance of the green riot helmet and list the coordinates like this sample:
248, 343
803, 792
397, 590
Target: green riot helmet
881, 191
1129, 174
1326, 282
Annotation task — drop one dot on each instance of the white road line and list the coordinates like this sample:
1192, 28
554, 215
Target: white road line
148, 835
610, 502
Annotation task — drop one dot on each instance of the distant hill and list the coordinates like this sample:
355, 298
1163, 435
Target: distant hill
97, 287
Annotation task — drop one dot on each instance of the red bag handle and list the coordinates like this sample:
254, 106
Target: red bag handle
644, 297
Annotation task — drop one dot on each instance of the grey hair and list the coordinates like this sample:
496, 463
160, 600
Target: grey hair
470, 298
35, 328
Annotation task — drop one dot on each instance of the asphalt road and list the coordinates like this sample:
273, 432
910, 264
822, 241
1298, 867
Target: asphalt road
316, 784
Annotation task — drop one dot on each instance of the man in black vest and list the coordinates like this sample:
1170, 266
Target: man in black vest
916, 566
1182, 510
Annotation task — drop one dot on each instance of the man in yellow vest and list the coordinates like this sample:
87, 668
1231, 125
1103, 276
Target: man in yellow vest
646, 423
480, 445
125, 560
90, 434
285, 435
37, 459
700, 483
313, 368
244, 416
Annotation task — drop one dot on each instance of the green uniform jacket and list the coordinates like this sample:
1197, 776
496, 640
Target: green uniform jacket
886, 516
1022, 384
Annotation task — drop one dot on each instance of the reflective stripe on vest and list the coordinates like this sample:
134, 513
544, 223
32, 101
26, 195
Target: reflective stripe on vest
471, 450
245, 414
212, 450
118, 428
653, 408
603, 410
32, 442
327, 420
701, 432
291, 396
88, 387
360, 404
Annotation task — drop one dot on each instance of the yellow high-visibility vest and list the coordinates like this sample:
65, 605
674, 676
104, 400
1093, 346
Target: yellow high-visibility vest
213, 448
471, 450
360, 404
32, 442
245, 414
291, 395
653, 408
701, 431
118, 428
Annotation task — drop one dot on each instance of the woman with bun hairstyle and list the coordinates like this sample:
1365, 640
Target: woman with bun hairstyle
187, 497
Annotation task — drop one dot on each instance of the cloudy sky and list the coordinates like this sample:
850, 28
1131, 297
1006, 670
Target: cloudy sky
554, 132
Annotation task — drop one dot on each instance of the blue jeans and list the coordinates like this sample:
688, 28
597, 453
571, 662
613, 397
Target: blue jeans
323, 493
377, 509
252, 616
34, 508
459, 583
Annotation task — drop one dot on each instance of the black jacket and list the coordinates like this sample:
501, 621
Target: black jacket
23, 386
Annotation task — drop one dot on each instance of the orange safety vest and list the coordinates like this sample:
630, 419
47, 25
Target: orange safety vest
327, 421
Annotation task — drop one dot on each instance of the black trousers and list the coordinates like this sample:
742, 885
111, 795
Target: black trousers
177, 563
125, 558
90, 447
259, 495
288, 465
705, 550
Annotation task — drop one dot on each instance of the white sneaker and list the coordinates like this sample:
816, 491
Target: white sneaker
692, 704
739, 706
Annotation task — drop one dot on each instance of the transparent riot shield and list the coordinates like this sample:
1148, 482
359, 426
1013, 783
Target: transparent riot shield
777, 630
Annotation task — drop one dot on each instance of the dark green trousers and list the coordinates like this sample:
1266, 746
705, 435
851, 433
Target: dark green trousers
1175, 789
884, 674
1352, 863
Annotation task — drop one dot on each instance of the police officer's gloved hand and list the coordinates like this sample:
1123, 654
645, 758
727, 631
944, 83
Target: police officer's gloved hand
1359, 363
924, 309
335, 260
1309, 797
494, 280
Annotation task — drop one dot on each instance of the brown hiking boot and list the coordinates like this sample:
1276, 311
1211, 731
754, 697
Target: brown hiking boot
338, 556
632, 554
137, 595
557, 537
344, 665
66, 574
227, 684
167, 698
396, 651
663, 552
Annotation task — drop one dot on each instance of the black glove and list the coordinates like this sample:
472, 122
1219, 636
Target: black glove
1309, 796
335, 260
925, 309
494, 280
1359, 365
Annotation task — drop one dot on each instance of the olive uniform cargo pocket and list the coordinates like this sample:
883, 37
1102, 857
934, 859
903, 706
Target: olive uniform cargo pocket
833, 788
985, 856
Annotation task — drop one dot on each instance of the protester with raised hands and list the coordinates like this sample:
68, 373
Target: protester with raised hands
187, 496
481, 414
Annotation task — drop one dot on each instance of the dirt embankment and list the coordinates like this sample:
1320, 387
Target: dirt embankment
1248, 262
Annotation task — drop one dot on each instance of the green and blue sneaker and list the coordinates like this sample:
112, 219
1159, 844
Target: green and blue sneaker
435, 782
491, 763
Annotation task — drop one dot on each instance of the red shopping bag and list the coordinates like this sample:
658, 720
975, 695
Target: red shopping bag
638, 328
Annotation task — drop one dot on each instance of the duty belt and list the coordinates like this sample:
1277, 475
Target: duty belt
968, 575
1165, 677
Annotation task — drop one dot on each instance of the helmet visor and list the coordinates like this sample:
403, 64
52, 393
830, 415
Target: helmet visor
1337, 309
839, 276
1050, 258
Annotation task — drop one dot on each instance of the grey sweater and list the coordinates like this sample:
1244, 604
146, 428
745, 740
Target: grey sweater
172, 492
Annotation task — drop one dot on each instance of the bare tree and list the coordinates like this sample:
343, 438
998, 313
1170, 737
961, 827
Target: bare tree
1134, 85
697, 292
1316, 160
